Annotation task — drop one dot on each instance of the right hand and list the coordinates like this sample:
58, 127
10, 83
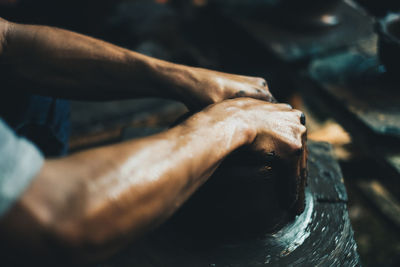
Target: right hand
270, 128
273, 130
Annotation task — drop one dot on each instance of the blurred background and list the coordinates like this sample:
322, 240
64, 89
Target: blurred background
335, 60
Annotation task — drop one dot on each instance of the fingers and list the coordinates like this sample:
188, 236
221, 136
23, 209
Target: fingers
263, 94
255, 93
262, 82
284, 106
259, 89
263, 88
273, 99
258, 81
302, 117
241, 93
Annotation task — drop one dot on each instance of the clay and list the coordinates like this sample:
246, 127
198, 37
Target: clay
250, 193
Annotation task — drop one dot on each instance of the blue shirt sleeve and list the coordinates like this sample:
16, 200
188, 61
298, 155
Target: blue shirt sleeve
20, 161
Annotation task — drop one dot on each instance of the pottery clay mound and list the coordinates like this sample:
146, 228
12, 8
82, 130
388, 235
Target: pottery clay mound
249, 194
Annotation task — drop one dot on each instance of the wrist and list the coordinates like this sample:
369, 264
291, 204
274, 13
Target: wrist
235, 120
245, 132
229, 128
177, 80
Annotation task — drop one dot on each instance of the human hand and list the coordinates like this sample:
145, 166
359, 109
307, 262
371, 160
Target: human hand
204, 87
276, 132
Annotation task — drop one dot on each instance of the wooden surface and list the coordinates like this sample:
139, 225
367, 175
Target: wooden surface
322, 235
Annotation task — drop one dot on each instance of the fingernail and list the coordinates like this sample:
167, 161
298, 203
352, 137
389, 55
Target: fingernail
290, 106
303, 119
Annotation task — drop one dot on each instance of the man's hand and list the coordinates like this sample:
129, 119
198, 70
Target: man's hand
274, 130
202, 87
98, 199
61, 63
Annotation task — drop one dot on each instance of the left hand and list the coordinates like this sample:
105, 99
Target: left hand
205, 87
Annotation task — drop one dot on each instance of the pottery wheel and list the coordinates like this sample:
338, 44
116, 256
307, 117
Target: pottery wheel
321, 235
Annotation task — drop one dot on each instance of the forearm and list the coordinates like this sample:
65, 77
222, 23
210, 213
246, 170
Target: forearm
122, 191
99, 198
71, 65
60, 63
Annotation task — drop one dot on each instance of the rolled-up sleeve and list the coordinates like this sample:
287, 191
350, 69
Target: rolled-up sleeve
20, 161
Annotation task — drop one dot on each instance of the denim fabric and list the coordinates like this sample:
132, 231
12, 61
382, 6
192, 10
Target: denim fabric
42, 120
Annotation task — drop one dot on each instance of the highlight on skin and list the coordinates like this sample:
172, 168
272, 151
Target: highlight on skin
91, 203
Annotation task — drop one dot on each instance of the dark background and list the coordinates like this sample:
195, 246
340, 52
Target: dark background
201, 33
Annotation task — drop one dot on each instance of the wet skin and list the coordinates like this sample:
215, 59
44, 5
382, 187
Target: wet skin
91, 203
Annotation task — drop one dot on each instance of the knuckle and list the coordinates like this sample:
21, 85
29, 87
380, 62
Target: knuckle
214, 99
240, 93
262, 82
297, 112
243, 101
303, 129
284, 106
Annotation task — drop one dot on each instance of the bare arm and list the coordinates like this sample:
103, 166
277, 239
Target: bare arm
102, 197
71, 65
